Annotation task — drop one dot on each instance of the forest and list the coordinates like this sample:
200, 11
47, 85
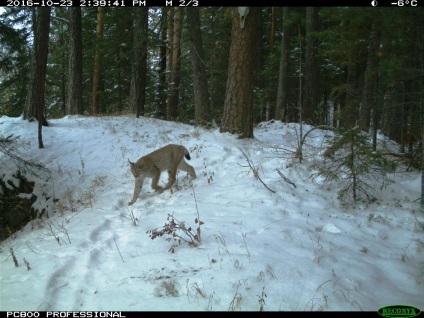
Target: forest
230, 67
305, 130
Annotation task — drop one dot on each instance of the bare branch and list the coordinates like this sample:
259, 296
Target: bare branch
255, 171
285, 178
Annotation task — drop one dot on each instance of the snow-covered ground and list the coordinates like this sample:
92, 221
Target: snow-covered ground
266, 244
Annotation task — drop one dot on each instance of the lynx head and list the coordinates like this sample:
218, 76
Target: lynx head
135, 168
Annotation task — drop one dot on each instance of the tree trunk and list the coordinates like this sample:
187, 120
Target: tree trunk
139, 66
238, 106
271, 87
370, 113
35, 101
97, 72
310, 96
200, 83
420, 51
175, 63
74, 104
42, 47
281, 104
272, 34
349, 114
161, 94
30, 111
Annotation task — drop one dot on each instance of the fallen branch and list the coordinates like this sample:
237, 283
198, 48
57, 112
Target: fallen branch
285, 178
118, 249
255, 171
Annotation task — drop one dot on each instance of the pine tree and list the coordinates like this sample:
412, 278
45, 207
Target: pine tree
139, 65
237, 117
74, 103
200, 84
14, 57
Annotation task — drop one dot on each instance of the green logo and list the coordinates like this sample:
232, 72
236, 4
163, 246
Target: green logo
399, 311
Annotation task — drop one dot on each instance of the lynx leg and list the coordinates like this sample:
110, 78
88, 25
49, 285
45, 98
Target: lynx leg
137, 189
184, 166
155, 181
171, 178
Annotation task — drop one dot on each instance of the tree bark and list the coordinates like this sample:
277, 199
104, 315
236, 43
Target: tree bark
74, 103
139, 67
271, 91
200, 83
36, 95
97, 73
370, 109
175, 63
161, 94
36, 88
238, 106
420, 51
310, 97
281, 104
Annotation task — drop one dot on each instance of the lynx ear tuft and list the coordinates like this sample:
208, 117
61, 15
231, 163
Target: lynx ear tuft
131, 163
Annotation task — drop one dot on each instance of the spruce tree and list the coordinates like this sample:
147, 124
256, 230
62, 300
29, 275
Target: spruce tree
351, 159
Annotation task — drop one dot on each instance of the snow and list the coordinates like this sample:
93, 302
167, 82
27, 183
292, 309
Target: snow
294, 249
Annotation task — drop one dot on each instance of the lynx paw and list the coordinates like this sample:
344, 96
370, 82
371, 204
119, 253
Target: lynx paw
131, 203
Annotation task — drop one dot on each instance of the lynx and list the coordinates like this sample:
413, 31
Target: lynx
170, 157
